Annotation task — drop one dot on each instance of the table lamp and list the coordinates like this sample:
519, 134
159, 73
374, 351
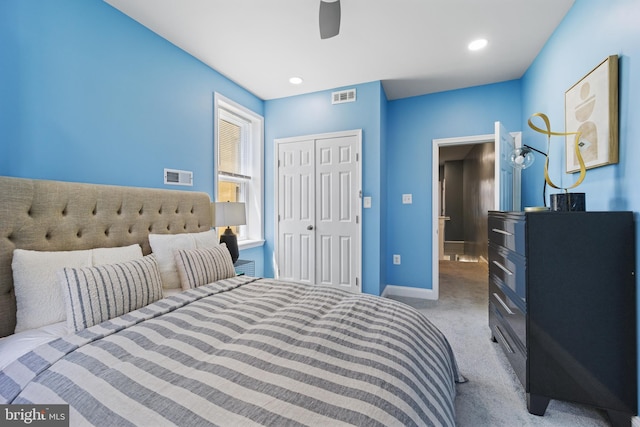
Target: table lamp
227, 214
522, 158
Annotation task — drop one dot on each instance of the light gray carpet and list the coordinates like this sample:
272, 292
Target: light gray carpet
493, 396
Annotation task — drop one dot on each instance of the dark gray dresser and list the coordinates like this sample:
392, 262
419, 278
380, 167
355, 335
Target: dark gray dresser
562, 305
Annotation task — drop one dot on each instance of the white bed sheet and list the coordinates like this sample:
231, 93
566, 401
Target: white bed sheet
169, 292
14, 346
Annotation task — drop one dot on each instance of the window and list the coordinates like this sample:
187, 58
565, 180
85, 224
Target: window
234, 168
238, 152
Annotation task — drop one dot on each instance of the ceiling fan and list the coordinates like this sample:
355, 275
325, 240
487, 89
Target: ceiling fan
329, 18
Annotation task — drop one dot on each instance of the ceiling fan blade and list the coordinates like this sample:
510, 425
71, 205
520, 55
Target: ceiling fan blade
329, 18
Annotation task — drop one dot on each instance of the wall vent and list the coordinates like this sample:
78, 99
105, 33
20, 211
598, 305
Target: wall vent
178, 177
343, 96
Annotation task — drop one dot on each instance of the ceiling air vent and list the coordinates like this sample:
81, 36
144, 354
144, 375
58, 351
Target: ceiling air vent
342, 96
177, 177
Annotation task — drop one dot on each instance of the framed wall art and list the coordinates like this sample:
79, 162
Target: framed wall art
591, 108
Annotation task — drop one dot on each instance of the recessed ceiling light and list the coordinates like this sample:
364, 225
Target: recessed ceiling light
478, 44
295, 80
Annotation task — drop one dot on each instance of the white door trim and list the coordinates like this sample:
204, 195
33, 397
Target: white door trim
436, 145
358, 134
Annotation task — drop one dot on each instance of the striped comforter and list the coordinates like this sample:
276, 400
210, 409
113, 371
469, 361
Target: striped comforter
248, 351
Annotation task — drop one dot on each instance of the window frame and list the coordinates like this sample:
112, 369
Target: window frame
253, 234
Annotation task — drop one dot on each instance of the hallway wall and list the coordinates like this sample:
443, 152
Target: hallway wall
478, 194
454, 200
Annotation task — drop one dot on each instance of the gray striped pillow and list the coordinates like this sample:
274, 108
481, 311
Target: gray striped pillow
198, 267
96, 294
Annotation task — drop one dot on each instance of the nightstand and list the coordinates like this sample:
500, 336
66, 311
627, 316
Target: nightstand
245, 267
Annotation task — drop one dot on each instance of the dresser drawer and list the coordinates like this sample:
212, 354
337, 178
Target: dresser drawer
511, 310
509, 267
507, 232
502, 334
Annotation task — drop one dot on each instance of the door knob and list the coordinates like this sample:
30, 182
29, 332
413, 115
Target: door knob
309, 227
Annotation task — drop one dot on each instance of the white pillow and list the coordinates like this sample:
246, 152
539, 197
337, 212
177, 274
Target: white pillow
113, 255
164, 247
206, 239
38, 295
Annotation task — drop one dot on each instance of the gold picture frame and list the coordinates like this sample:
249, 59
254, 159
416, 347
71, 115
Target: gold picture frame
591, 108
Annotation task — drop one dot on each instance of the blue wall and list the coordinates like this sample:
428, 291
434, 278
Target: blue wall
384, 201
591, 31
412, 125
87, 94
90, 95
314, 114
96, 97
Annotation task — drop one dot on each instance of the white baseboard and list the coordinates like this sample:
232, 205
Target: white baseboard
409, 292
635, 421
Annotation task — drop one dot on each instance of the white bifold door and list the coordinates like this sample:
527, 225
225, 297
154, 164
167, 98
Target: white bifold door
318, 218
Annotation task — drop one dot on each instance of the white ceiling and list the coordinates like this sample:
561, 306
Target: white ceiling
414, 47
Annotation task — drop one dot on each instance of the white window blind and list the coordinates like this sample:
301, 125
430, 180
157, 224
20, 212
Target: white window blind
232, 149
238, 152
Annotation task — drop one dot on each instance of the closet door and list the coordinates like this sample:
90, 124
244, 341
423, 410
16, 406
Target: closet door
337, 210
296, 211
319, 210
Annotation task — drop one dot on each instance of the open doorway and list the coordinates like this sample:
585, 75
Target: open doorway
465, 191
494, 185
466, 194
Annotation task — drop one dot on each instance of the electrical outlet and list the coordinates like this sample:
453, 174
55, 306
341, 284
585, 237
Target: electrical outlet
396, 259
407, 199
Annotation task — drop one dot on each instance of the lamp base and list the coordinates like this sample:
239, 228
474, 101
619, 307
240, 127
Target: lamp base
568, 202
231, 240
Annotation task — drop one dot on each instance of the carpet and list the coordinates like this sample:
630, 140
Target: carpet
493, 396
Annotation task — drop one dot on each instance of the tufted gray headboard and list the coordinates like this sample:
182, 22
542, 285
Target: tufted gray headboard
56, 216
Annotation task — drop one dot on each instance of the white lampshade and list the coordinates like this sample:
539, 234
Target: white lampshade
226, 214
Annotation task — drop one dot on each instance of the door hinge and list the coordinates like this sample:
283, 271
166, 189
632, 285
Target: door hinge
357, 282
357, 157
357, 219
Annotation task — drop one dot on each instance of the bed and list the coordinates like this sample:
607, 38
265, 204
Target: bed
220, 349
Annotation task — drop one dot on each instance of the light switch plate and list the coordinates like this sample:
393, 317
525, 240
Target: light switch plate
407, 199
366, 202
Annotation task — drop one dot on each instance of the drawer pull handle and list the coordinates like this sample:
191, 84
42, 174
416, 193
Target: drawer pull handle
503, 340
502, 303
503, 268
497, 230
